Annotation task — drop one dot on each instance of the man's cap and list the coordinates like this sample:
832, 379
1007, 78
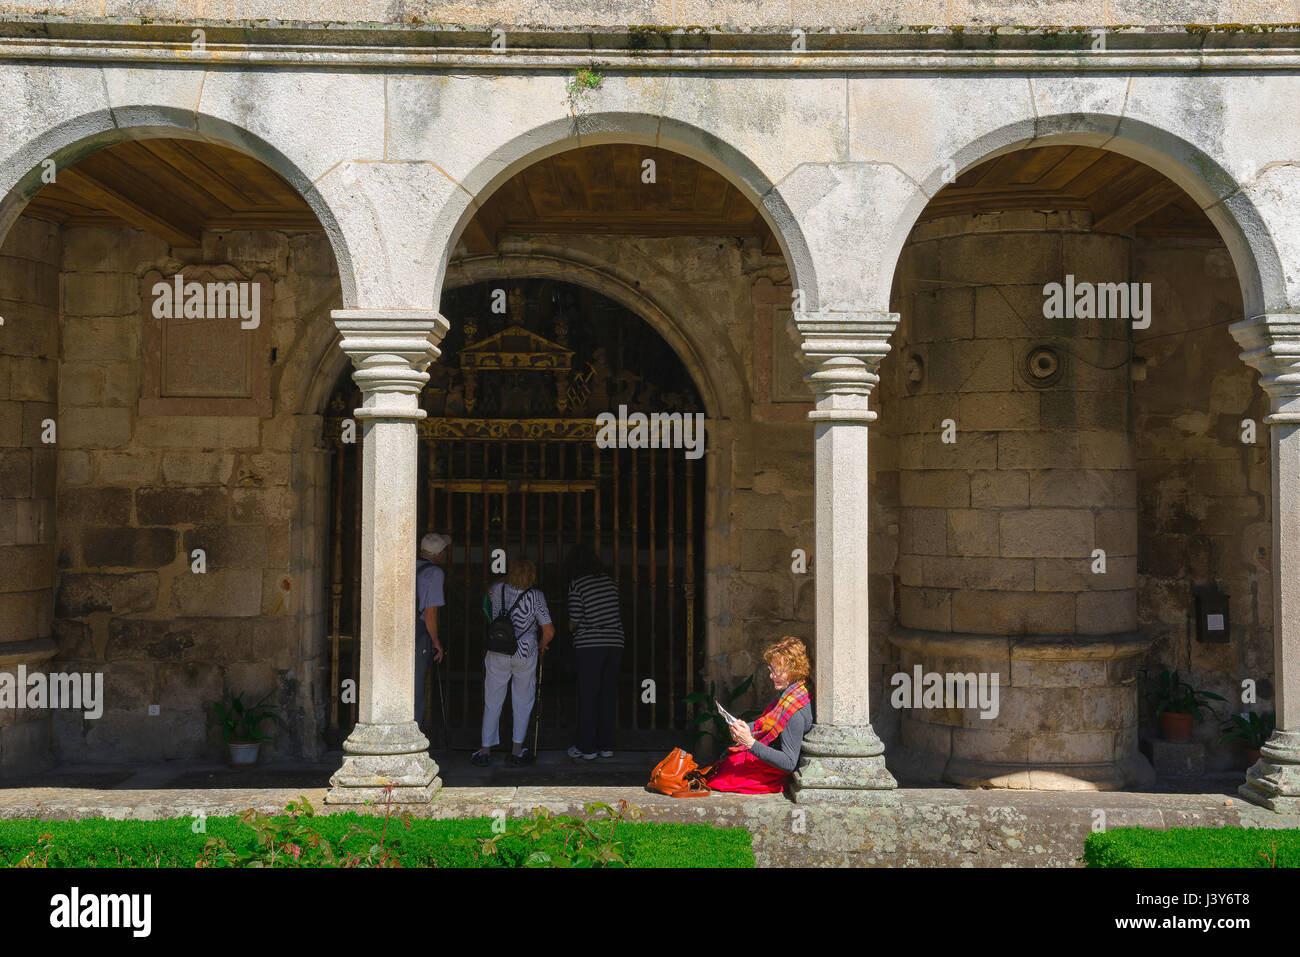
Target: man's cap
433, 543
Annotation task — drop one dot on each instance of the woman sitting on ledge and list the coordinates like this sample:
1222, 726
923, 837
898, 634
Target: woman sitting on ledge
765, 753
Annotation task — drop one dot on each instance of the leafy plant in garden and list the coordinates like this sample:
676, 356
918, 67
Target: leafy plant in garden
293, 841
1253, 730
709, 711
585, 842
1174, 696
39, 856
240, 723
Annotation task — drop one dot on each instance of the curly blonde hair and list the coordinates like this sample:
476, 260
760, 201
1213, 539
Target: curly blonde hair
522, 574
789, 654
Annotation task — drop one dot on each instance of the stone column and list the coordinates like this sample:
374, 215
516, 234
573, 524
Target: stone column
843, 759
391, 350
1271, 344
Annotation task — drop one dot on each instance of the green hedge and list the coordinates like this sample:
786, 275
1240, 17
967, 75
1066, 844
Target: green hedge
1193, 847
97, 842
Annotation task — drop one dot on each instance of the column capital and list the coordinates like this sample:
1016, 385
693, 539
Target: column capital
842, 351
1271, 344
391, 349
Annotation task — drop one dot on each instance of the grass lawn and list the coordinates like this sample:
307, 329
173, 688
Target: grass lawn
97, 842
1193, 847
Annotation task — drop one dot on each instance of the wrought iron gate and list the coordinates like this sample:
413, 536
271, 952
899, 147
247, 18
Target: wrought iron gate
535, 487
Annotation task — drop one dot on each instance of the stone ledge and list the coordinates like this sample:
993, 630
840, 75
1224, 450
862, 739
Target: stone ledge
923, 828
270, 42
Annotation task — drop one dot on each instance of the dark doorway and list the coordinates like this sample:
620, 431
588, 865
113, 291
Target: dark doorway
509, 461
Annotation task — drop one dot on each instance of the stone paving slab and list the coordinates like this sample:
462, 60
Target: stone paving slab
917, 827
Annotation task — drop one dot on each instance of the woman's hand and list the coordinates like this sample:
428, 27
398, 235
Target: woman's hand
741, 734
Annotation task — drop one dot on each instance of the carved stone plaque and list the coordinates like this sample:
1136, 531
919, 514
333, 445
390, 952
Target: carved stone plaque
787, 371
780, 393
206, 342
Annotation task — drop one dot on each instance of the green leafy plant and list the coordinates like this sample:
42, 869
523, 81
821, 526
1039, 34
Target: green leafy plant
1174, 696
294, 840
585, 842
709, 712
444, 842
583, 81
39, 856
244, 724
1253, 730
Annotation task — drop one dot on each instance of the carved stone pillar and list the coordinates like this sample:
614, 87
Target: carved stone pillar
391, 350
843, 759
1271, 344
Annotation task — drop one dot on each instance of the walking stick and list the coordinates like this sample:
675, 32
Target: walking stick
442, 704
537, 705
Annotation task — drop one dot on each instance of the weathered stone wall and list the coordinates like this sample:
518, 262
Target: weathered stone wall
1001, 515
1203, 494
669, 14
29, 348
139, 493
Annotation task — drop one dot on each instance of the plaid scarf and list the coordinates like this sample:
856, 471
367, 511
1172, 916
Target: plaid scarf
773, 721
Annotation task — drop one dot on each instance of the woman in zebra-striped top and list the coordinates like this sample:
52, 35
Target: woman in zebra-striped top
598, 645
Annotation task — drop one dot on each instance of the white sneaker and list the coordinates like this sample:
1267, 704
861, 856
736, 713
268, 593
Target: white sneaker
576, 754
607, 754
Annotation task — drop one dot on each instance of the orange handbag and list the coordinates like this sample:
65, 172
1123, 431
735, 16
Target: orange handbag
679, 776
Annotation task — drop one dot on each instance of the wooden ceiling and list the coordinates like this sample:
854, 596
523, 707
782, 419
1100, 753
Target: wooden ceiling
173, 188
1123, 195
177, 188
600, 190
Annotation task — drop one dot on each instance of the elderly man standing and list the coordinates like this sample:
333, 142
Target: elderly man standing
429, 598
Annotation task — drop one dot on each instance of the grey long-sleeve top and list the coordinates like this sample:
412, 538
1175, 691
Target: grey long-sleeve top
788, 743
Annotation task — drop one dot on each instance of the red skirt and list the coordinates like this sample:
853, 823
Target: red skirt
743, 773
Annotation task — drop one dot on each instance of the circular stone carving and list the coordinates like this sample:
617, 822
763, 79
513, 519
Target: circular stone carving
1042, 367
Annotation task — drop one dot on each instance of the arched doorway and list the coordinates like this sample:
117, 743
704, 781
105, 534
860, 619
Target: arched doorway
509, 464
1057, 518
170, 477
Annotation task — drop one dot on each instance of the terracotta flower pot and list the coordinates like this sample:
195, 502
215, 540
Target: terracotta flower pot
1176, 727
1252, 756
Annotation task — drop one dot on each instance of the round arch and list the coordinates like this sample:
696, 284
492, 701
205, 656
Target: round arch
67, 142
529, 146
722, 384
1241, 226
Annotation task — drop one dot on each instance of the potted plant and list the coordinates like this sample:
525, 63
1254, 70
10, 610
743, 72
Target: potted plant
241, 727
1178, 705
709, 713
1251, 729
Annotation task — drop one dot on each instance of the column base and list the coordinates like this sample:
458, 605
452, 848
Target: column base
1274, 780
843, 765
377, 755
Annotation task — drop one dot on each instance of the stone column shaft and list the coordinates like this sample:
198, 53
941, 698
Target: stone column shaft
843, 759
1271, 344
391, 350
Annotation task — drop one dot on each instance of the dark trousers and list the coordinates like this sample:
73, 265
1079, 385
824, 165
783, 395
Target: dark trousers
597, 688
423, 658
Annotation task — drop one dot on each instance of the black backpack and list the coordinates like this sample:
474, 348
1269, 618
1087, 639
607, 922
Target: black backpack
501, 636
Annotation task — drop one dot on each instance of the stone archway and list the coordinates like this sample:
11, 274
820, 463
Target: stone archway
1019, 455
144, 480
526, 478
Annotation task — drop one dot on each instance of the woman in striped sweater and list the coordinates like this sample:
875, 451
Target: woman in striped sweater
598, 645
